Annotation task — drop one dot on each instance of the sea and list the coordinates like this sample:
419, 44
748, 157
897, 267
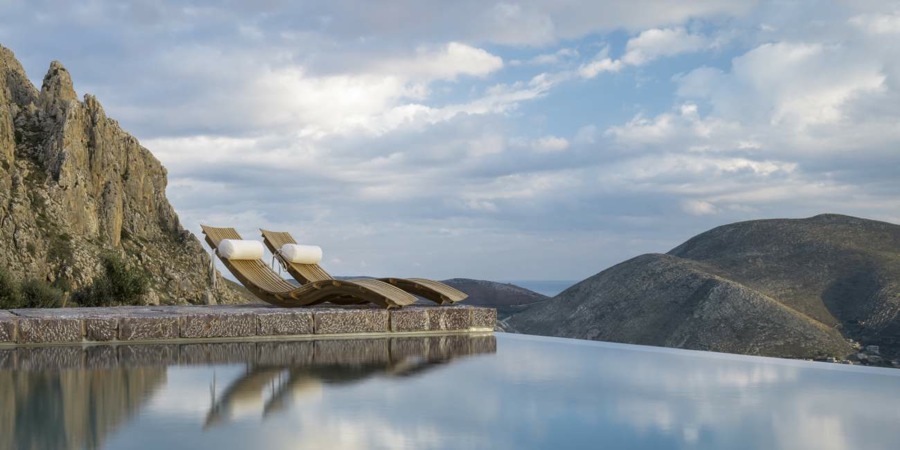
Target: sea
549, 288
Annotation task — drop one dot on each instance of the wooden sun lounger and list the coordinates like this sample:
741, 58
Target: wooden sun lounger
263, 282
432, 290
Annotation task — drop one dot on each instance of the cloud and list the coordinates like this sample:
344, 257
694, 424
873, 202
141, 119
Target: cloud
657, 43
551, 144
698, 207
377, 132
446, 63
878, 23
647, 46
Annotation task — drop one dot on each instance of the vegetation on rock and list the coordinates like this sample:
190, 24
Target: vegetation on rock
117, 285
32, 293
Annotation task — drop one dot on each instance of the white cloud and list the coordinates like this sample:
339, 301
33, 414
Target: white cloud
551, 144
698, 207
878, 23
647, 46
446, 63
598, 66
560, 56
657, 43
398, 126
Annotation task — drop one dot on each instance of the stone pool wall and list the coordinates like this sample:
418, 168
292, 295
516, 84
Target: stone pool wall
169, 323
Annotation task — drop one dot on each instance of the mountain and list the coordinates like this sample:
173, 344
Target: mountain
507, 298
789, 288
74, 186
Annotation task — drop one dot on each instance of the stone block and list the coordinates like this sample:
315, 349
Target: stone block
448, 318
101, 329
141, 328
218, 324
483, 318
345, 321
409, 319
285, 323
49, 330
8, 326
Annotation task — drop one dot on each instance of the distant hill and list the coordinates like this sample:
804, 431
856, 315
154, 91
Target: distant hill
507, 298
790, 288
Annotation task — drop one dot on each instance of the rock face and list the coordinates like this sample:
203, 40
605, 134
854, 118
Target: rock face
790, 288
73, 184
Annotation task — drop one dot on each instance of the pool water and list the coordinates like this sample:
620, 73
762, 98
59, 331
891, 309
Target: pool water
503, 392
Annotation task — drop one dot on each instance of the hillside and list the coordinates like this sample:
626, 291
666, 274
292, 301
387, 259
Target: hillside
791, 288
75, 188
507, 298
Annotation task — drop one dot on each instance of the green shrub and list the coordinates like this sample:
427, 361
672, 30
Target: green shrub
118, 285
38, 294
33, 293
10, 296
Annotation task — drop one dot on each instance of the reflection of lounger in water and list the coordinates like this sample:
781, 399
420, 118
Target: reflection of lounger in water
299, 384
337, 363
245, 393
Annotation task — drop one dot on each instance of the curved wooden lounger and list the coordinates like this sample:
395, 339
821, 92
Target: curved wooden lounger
263, 282
435, 291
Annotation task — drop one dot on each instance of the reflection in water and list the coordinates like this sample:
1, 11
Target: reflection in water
75, 397
267, 387
70, 408
527, 392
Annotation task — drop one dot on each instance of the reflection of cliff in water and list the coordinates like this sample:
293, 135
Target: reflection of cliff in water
269, 386
70, 408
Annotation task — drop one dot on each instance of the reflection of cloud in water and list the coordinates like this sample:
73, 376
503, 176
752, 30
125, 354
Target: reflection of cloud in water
533, 393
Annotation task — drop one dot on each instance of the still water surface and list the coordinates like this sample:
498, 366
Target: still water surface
508, 392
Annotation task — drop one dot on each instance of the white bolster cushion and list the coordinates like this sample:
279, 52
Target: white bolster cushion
301, 254
238, 249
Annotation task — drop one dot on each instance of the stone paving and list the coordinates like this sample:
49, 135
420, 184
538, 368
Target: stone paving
151, 323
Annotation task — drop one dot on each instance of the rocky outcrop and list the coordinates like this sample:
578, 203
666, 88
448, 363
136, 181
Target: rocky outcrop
799, 288
75, 185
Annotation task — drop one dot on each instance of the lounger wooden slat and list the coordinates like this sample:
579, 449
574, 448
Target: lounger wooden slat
306, 273
263, 282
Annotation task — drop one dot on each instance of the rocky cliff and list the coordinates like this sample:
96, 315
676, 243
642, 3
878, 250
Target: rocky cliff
793, 288
74, 186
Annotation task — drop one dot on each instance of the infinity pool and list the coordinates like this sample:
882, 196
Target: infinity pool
508, 392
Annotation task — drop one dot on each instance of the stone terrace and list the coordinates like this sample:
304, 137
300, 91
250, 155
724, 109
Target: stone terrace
155, 323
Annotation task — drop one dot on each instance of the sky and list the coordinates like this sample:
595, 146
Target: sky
496, 140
